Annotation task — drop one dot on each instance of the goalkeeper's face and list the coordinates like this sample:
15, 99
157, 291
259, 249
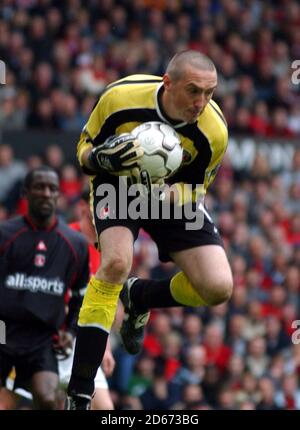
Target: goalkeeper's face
186, 97
42, 195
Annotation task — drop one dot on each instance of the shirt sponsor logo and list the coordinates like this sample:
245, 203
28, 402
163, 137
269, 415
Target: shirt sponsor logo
35, 284
2, 72
39, 260
2, 332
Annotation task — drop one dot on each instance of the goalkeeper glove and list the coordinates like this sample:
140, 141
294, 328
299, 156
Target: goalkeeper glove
150, 190
116, 154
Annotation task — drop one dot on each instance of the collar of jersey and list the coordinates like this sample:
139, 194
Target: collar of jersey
160, 111
34, 227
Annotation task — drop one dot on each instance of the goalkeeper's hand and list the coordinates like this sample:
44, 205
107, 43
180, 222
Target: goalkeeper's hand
117, 153
158, 190
149, 189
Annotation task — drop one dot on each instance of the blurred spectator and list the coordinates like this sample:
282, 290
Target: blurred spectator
54, 157
191, 330
226, 399
70, 118
235, 335
93, 78
11, 171
255, 324
235, 371
217, 352
43, 116
161, 394
158, 329
288, 397
260, 118
257, 359
211, 384
279, 126
293, 175
192, 397
70, 184
276, 339
267, 391
194, 369
142, 377
248, 390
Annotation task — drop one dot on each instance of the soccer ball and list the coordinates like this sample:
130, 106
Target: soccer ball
162, 149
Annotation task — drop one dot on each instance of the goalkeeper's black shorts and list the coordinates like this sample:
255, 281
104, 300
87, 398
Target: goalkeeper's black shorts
171, 234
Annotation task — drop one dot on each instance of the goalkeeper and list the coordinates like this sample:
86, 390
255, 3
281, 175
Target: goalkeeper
181, 98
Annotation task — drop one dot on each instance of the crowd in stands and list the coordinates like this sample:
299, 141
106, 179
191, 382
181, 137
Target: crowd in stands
60, 55
240, 355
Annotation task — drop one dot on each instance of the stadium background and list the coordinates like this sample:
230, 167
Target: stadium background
59, 57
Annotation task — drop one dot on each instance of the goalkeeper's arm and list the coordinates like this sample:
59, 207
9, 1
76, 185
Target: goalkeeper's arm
84, 161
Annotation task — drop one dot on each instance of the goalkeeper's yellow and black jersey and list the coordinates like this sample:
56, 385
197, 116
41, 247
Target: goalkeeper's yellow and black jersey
136, 99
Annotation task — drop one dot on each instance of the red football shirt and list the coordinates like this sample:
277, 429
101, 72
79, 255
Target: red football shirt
94, 255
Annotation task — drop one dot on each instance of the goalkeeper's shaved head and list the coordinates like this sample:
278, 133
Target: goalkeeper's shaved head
189, 83
177, 66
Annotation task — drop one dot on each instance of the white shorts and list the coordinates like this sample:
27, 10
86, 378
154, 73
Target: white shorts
21, 391
65, 368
